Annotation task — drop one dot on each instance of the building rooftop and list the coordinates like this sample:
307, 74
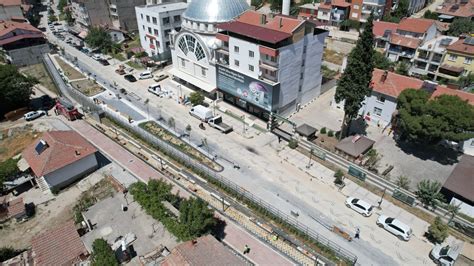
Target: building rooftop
458, 8
8, 26
15, 207
404, 41
463, 45
165, 7
355, 145
58, 246
380, 27
215, 11
56, 149
310, 6
461, 180
10, 2
205, 250
439, 43
464, 95
418, 25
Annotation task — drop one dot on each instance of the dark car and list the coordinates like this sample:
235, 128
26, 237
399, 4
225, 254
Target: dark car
130, 78
103, 62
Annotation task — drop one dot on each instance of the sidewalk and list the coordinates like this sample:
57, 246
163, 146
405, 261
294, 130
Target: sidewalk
235, 237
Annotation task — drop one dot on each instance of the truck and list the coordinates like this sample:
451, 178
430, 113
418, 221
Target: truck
66, 108
216, 122
445, 256
201, 112
155, 89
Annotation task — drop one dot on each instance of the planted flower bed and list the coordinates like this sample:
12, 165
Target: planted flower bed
160, 132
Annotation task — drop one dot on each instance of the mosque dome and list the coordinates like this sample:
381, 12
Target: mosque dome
215, 11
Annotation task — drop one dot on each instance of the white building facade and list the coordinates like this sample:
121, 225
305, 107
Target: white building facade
155, 25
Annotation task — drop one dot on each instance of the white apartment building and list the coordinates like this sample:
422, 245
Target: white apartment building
155, 25
269, 65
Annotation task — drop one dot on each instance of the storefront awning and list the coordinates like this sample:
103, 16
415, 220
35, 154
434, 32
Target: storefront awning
196, 82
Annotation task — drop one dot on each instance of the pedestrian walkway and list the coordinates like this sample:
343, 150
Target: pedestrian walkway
235, 237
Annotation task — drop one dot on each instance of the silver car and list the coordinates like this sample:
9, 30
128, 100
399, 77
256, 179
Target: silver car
33, 115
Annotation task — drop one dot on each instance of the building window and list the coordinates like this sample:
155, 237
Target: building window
251, 68
381, 98
236, 62
468, 60
167, 33
304, 49
156, 32
452, 57
154, 20
251, 54
141, 15
143, 26
149, 30
302, 63
301, 75
166, 21
167, 44
183, 62
203, 71
236, 49
177, 18
377, 111
147, 18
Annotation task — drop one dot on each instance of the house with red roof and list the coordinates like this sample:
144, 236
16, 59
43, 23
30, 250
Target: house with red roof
59, 158
22, 43
409, 35
459, 59
382, 31
456, 9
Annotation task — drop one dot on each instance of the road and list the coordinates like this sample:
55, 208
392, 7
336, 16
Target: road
264, 174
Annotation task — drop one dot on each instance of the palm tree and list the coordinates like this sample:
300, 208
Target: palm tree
428, 193
452, 210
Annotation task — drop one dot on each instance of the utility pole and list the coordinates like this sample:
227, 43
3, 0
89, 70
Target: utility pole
310, 155
243, 123
381, 199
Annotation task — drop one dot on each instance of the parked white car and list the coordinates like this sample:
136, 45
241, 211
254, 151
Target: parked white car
145, 75
96, 56
33, 115
445, 256
394, 226
359, 206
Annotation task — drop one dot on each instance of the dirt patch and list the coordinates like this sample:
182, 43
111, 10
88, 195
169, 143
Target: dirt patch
98, 192
39, 71
16, 142
68, 70
87, 87
323, 140
333, 56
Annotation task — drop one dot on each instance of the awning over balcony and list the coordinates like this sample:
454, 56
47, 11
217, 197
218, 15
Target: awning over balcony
453, 69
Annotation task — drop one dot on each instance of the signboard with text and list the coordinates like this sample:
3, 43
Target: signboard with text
254, 91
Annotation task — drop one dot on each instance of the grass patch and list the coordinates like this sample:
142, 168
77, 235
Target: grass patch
39, 71
68, 70
165, 135
118, 56
333, 56
98, 192
135, 65
11, 146
87, 87
328, 73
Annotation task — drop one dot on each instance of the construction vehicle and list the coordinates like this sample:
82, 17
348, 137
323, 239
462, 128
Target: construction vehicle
120, 70
66, 108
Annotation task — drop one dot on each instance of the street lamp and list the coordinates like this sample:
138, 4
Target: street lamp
243, 123
381, 198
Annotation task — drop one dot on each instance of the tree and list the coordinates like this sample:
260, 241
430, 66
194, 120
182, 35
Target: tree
466, 81
460, 26
61, 5
438, 231
403, 182
8, 169
426, 121
382, 62
428, 193
401, 10
402, 69
68, 17
276, 6
452, 210
7, 253
430, 15
98, 38
354, 84
195, 217
102, 254
15, 89
196, 98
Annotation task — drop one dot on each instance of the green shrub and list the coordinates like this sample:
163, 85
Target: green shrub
323, 130
293, 143
438, 231
338, 177
102, 254
330, 133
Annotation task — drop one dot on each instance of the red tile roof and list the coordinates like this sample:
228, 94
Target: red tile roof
404, 41
461, 47
205, 250
466, 96
381, 26
64, 148
8, 26
288, 24
418, 25
256, 32
10, 2
59, 246
462, 10
340, 3
394, 84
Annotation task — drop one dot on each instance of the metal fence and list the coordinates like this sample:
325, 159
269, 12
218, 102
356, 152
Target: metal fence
188, 161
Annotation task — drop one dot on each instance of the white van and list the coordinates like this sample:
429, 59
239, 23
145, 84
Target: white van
145, 75
200, 112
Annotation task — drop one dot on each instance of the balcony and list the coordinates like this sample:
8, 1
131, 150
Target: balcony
222, 57
267, 76
269, 62
407, 54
